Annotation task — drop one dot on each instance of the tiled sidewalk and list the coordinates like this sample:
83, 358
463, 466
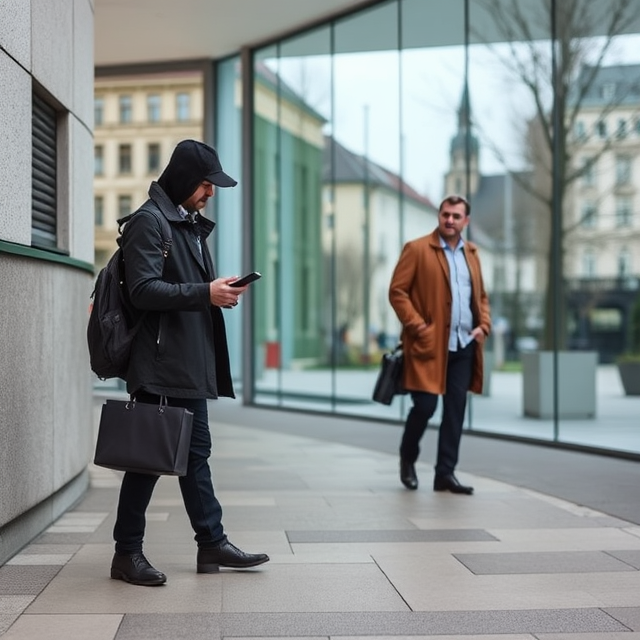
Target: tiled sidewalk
353, 555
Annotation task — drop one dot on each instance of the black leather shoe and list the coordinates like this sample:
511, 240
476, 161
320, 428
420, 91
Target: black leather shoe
225, 554
450, 483
408, 475
136, 569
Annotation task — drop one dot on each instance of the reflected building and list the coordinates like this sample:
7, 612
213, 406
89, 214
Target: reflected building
369, 212
503, 224
602, 259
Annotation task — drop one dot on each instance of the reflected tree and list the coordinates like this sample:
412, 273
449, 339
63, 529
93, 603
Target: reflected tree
558, 79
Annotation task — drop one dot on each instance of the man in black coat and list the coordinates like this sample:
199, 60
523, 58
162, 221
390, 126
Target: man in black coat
180, 353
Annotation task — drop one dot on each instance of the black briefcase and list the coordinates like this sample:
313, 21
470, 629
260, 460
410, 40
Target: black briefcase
144, 438
389, 382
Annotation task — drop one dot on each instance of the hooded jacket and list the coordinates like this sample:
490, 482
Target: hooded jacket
181, 348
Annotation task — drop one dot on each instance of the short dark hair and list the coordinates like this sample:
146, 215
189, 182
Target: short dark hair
454, 199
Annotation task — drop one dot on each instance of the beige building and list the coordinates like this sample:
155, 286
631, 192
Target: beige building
138, 121
603, 233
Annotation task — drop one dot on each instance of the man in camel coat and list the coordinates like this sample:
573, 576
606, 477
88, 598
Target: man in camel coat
438, 295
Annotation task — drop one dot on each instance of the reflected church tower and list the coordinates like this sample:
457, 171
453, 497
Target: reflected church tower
462, 144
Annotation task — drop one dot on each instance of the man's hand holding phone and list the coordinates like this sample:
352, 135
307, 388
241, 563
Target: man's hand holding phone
245, 280
225, 292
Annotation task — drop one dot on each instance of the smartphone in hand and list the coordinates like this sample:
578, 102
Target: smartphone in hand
249, 278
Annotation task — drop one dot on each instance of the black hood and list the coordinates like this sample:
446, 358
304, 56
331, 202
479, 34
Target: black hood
192, 162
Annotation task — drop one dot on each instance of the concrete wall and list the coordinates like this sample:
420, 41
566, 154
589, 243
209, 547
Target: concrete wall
46, 424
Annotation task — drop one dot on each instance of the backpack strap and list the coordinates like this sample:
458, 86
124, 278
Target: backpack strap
165, 229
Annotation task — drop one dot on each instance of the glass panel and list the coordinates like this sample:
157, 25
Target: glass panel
266, 197
293, 102
367, 198
154, 106
601, 265
230, 230
509, 180
126, 109
183, 107
433, 130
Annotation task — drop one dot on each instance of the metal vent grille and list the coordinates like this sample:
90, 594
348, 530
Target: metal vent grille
44, 175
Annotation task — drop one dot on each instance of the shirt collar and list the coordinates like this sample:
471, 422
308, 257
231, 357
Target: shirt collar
445, 246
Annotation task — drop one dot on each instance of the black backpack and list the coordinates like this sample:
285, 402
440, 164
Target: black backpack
113, 320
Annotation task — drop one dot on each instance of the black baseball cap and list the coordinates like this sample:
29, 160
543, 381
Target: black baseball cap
192, 162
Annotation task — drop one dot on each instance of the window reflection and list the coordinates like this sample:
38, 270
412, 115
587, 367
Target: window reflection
361, 125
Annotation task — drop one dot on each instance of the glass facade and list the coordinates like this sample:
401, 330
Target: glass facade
356, 131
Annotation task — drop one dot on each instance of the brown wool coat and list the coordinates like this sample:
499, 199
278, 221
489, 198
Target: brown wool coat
419, 293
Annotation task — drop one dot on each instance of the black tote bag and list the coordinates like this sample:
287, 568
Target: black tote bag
389, 382
144, 438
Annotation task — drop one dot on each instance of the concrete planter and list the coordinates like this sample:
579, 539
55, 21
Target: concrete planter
486, 372
576, 384
630, 377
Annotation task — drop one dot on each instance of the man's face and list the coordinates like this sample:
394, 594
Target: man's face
452, 219
198, 199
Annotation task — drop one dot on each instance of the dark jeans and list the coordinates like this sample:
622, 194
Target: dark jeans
201, 504
459, 370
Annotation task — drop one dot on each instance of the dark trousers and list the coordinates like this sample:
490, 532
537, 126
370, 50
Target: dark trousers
459, 370
201, 504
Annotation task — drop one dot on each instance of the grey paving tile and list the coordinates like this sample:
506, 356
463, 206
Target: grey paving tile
14, 604
420, 623
399, 535
629, 616
311, 588
621, 635
6, 620
64, 627
194, 626
82, 588
26, 579
64, 538
493, 636
46, 549
631, 557
541, 562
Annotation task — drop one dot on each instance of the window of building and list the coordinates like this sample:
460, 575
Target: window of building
124, 206
624, 263
124, 158
98, 160
126, 109
637, 126
183, 107
589, 172
601, 129
98, 210
623, 212
623, 170
153, 157
589, 215
588, 264
622, 128
154, 108
44, 174
609, 90
98, 110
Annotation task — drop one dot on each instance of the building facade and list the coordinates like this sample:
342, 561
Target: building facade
46, 263
139, 119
